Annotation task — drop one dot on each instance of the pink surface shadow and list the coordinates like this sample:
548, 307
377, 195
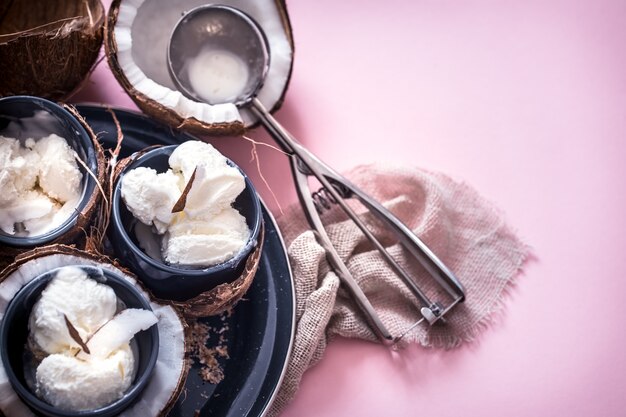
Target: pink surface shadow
524, 101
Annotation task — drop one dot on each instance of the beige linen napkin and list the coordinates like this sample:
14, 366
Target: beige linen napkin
465, 231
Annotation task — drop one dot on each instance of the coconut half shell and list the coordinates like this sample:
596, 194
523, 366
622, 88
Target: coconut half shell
170, 371
136, 40
48, 48
82, 229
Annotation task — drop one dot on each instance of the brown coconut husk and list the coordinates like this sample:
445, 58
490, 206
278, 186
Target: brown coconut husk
221, 298
59, 249
47, 48
168, 115
80, 232
87, 224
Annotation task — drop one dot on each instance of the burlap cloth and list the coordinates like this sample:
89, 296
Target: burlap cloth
465, 231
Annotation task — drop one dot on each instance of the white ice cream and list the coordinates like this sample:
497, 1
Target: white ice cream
217, 75
209, 230
73, 384
206, 242
69, 378
151, 196
87, 304
40, 184
18, 170
59, 176
27, 210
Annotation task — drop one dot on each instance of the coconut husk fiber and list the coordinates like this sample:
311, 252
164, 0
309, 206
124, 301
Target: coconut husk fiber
47, 48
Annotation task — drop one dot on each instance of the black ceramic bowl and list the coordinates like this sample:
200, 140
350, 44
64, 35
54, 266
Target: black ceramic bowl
177, 282
14, 333
23, 117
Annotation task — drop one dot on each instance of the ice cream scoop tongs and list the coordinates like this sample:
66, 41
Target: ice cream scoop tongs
335, 188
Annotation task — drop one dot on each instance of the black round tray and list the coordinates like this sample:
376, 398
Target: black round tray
260, 330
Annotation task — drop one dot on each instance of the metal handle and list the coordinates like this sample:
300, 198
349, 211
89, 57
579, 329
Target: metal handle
340, 268
304, 163
431, 263
302, 156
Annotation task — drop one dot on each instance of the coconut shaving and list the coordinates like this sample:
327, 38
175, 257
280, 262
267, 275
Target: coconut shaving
211, 370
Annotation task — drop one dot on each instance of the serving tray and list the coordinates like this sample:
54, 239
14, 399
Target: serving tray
259, 332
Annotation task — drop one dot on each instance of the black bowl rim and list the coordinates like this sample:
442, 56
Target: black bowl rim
31, 399
90, 184
201, 272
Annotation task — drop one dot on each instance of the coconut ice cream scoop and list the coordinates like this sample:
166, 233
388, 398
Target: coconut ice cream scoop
40, 184
158, 370
87, 304
18, 169
215, 184
59, 176
151, 196
72, 384
206, 230
202, 242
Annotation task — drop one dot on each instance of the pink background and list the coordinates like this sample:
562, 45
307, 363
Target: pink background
526, 101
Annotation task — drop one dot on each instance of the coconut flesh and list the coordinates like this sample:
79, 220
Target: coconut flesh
137, 52
170, 371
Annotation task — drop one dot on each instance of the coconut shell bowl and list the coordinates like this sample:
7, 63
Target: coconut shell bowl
200, 287
23, 117
14, 333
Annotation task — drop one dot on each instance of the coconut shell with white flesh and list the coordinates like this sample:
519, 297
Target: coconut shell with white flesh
136, 42
117, 332
81, 230
170, 371
47, 48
